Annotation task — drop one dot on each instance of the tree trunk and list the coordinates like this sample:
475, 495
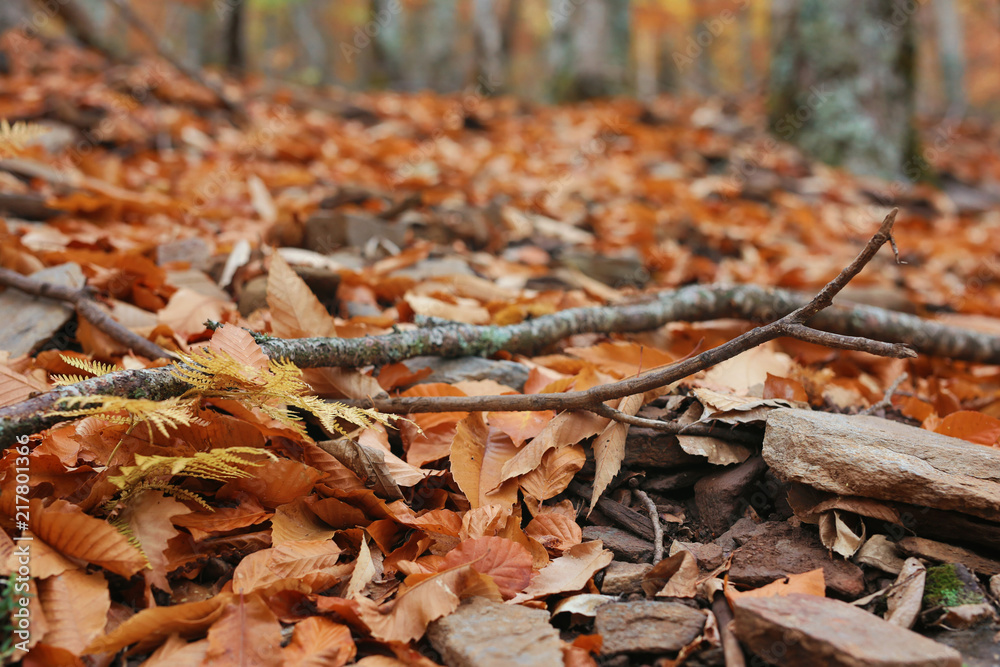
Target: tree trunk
488, 28
589, 49
950, 43
234, 21
842, 83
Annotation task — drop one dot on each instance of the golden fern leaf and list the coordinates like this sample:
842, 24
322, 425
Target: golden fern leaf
217, 464
95, 368
13, 138
171, 412
63, 380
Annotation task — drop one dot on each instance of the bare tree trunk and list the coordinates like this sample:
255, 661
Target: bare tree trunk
234, 20
489, 42
950, 50
589, 47
842, 83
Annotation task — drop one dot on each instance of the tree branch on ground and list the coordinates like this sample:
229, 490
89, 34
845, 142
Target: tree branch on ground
31, 416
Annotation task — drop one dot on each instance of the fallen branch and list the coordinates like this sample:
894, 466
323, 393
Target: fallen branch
87, 308
654, 518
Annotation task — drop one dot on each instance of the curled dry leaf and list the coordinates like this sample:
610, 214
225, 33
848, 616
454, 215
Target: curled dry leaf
569, 572
566, 429
609, 447
478, 453
554, 473
674, 576
246, 633
555, 531
72, 624
319, 641
312, 562
507, 562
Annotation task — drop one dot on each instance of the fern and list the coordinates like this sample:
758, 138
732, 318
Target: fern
94, 368
13, 138
170, 412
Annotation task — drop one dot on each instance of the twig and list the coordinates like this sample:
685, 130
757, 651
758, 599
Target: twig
614, 510
164, 52
86, 308
654, 518
886, 401
731, 650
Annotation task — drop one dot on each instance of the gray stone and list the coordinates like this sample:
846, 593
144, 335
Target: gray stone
326, 231
31, 320
779, 549
624, 544
193, 250
876, 458
483, 633
647, 626
622, 578
450, 371
436, 268
719, 496
811, 630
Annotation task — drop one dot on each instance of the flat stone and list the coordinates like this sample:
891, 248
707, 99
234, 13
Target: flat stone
708, 556
483, 633
31, 320
450, 371
877, 458
193, 250
946, 553
719, 495
977, 645
623, 544
778, 549
810, 630
621, 578
647, 626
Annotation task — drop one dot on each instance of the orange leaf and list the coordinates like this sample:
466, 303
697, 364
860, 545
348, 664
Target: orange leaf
406, 618
295, 310
521, 426
553, 475
149, 517
319, 641
224, 519
566, 429
609, 447
69, 531
248, 633
972, 426
76, 607
622, 358
555, 531
239, 344
312, 562
569, 572
779, 387
507, 562
810, 583
478, 453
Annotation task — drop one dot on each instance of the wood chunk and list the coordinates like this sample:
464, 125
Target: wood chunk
778, 549
876, 458
655, 449
946, 553
483, 633
647, 626
809, 630
625, 545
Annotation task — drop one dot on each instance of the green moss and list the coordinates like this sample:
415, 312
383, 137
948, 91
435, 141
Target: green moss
944, 588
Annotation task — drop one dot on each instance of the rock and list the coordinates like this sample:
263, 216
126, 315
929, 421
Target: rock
675, 481
622, 578
30, 320
616, 271
966, 616
946, 553
253, 295
876, 458
326, 231
977, 645
719, 496
483, 633
809, 630
879, 552
708, 556
450, 371
740, 532
779, 548
995, 585
436, 268
193, 250
625, 545
647, 626
951, 585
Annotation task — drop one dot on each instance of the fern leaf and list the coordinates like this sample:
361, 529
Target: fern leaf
63, 380
171, 412
95, 368
13, 138
217, 464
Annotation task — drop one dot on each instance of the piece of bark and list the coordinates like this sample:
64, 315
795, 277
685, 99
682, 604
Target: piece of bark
809, 630
876, 458
623, 544
947, 553
652, 449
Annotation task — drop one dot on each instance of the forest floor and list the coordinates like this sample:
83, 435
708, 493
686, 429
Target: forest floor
222, 526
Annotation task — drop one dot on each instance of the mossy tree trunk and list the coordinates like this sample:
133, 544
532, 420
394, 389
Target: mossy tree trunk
842, 83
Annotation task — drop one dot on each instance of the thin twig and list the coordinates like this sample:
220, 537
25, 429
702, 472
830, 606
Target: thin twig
86, 308
654, 518
886, 401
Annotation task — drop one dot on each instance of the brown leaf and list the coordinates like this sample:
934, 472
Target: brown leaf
152, 626
566, 429
69, 531
295, 310
521, 426
149, 515
477, 455
176, 651
319, 641
406, 618
368, 463
247, 633
76, 607
555, 531
609, 447
675, 576
238, 343
553, 475
569, 572
312, 562
507, 562
204, 524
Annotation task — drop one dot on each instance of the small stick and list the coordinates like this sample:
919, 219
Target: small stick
886, 401
654, 517
731, 650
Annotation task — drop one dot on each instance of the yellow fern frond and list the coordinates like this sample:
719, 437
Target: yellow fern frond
171, 412
95, 368
13, 138
217, 464
63, 380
